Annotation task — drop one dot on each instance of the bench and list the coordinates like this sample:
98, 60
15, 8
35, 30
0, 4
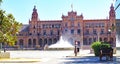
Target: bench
108, 52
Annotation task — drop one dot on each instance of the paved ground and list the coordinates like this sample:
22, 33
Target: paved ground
55, 57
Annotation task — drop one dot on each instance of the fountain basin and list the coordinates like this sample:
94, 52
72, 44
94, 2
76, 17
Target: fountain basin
60, 48
5, 55
61, 45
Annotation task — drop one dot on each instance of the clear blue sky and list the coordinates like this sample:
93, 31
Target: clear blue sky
53, 9
118, 9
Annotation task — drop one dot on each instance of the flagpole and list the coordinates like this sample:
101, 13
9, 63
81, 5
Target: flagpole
72, 7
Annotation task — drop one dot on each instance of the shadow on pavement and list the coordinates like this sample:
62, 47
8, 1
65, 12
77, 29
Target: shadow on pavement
89, 60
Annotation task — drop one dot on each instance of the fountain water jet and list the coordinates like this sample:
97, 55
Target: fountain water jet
62, 44
117, 41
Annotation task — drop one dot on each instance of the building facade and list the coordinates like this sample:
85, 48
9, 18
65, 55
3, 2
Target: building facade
72, 27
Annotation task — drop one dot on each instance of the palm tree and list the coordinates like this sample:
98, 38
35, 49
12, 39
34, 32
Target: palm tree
0, 2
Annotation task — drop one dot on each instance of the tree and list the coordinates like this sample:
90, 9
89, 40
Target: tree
9, 28
0, 1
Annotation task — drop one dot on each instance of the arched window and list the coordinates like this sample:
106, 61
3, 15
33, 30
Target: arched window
94, 39
21, 42
100, 39
90, 41
111, 41
58, 32
50, 42
45, 41
105, 39
40, 42
34, 42
55, 40
29, 43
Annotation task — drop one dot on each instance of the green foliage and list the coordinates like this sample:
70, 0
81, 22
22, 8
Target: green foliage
9, 27
0, 1
104, 45
96, 46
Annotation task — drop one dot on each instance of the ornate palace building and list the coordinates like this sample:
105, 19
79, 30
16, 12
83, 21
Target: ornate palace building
72, 27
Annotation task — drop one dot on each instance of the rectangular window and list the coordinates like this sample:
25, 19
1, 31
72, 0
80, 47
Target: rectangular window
102, 24
97, 24
90, 25
78, 31
44, 32
72, 31
86, 25
102, 31
43, 25
85, 41
87, 31
94, 31
53, 26
57, 25
51, 32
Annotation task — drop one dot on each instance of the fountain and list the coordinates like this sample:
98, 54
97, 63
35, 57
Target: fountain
117, 41
62, 44
118, 45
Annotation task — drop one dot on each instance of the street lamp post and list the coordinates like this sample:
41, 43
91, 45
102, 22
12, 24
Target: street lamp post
109, 33
98, 36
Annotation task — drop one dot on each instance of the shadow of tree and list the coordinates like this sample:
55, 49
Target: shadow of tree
90, 60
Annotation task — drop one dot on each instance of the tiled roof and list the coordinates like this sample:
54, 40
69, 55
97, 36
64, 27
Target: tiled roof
25, 28
51, 21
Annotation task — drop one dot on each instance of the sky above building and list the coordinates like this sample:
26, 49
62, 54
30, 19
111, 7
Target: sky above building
53, 9
117, 6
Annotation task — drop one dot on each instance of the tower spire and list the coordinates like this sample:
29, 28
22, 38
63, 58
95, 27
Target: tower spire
72, 7
112, 11
34, 14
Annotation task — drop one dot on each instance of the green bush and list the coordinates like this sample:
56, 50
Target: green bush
105, 45
96, 46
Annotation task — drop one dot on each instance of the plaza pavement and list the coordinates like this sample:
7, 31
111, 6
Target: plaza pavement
62, 57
